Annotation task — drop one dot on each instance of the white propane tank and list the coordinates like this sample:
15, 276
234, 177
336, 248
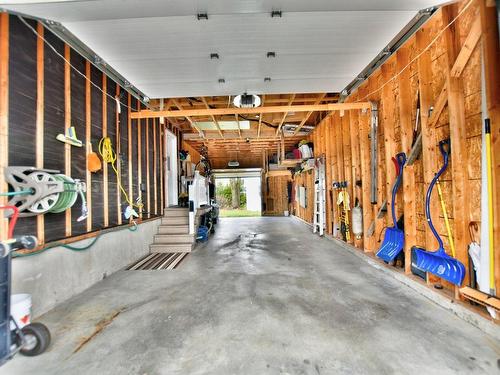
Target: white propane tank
357, 221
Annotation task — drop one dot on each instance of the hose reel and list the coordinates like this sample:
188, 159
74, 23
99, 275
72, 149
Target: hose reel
39, 191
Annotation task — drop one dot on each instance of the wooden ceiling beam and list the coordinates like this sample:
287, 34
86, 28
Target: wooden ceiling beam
238, 122
213, 117
304, 120
290, 102
176, 103
240, 111
260, 116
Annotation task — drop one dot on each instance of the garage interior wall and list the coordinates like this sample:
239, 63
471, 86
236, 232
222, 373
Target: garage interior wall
41, 96
446, 77
45, 96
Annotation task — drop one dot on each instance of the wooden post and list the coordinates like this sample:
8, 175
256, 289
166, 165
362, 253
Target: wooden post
104, 135
118, 158
129, 149
356, 173
147, 169
40, 108
67, 125
491, 56
4, 114
88, 139
155, 165
364, 146
389, 135
328, 173
429, 138
346, 146
406, 128
458, 137
139, 161
161, 131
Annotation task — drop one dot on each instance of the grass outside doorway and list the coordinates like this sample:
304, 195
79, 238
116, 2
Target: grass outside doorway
238, 213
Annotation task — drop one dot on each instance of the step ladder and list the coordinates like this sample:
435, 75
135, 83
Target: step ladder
319, 222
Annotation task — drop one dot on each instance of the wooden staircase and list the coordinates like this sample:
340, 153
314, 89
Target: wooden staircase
173, 233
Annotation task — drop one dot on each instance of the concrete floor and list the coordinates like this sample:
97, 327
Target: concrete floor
264, 296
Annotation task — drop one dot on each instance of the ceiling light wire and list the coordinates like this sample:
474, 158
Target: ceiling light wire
68, 62
433, 41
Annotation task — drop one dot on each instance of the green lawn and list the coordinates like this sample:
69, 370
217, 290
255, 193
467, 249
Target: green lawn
238, 213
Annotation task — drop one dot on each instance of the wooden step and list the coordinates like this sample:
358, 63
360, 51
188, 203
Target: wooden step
175, 220
176, 212
171, 248
173, 229
174, 239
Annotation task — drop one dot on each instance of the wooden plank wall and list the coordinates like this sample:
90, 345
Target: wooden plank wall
448, 77
45, 96
276, 190
306, 180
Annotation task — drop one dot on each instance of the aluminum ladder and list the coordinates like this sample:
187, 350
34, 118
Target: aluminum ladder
319, 221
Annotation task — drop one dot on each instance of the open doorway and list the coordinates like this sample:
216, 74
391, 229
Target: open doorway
239, 196
171, 180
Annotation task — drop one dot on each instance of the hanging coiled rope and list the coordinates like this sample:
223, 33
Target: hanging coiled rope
108, 155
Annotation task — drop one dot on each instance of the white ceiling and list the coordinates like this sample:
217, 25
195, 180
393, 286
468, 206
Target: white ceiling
162, 49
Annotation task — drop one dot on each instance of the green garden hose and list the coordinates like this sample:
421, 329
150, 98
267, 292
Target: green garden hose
16, 254
68, 197
14, 193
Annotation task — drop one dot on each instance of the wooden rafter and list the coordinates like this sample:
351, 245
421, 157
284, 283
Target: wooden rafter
238, 123
236, 111
290, 102
176, 103
260, 116
304, 120
213, 117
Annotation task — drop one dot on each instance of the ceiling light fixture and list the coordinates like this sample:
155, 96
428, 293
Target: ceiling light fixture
202, 16
276, 13
247, 101
267, 79
222, 80
214, 56
271, 55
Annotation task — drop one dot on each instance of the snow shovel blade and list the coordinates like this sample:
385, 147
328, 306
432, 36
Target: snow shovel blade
441, 264
392, 245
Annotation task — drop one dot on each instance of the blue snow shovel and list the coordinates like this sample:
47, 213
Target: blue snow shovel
438, 262
394, 237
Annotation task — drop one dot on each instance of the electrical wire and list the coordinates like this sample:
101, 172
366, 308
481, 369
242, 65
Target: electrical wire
69, 63
433, 41
262, 121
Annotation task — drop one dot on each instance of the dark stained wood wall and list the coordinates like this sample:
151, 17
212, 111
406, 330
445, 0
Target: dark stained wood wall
22, 129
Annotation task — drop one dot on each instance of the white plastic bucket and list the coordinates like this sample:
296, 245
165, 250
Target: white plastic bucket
286, 213
20, 309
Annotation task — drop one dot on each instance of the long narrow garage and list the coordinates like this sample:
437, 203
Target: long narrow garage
261, 296
249, 187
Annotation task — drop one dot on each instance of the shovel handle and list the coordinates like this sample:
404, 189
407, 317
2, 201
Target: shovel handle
445, 148
399, 160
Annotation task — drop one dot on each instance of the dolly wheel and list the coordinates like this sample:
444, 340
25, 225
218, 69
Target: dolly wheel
36, 339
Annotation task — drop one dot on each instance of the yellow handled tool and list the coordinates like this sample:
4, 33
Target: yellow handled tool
446, 220
487, 129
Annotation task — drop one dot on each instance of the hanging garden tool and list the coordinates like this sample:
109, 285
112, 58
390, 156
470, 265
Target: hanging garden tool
39, 191
438, 262
394, 237
93, 162
446, 219
70, 137
344, 206
109, 156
